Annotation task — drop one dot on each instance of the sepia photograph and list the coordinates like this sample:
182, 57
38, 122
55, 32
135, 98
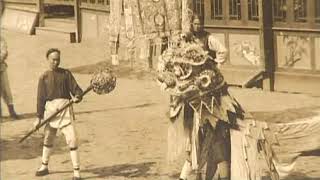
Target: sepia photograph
160, 90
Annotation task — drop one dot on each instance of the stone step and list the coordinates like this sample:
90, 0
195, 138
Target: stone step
61, 23
63, 34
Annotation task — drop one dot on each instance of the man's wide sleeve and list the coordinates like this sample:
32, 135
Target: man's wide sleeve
41, 98
73, 85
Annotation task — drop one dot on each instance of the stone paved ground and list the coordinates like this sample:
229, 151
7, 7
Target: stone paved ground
123, 134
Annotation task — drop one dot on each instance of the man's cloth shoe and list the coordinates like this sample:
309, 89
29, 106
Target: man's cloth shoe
42, 173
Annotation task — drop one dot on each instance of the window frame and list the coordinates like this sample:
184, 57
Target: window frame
290, 21
297, 12
252, 5
317, 13
237, 9
282, 15
213, 10
196, 5
244, 22
95, 2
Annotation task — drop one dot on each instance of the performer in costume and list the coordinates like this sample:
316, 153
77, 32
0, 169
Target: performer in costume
201, 111
208, 123
55, 88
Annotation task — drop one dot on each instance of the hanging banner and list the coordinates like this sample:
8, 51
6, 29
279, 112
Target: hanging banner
151, 12
115, 23
186, 15
138, 25
128, 14
173, 14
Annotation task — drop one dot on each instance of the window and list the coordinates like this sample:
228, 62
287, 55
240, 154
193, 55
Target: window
280, 10
253, 8
300, 10
216, 9
199, 7
100, 2
317, 6
235, 9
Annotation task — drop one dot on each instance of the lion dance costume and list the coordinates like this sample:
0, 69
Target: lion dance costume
205, 118
201, 111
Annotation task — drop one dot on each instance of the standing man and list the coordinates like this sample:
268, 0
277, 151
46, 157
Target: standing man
210, 43
57, 87
5, 91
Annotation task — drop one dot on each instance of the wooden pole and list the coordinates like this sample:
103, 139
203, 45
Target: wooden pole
266, 43
77, 16
40, 10
0, 97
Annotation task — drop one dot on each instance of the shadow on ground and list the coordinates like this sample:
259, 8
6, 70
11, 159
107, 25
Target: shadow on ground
31, 148
117, 108
137, 170
300, 176
33, 115
6, 119
287, 115
123, 170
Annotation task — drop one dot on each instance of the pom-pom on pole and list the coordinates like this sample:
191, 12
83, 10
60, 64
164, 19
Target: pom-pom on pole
103, 81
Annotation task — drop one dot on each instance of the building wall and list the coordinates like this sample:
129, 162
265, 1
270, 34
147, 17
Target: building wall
20, 16
243, 57
295, 40
297, 62
284, 42
28, 5
94, 24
